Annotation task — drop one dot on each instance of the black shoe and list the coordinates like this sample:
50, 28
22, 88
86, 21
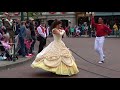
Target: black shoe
102, 61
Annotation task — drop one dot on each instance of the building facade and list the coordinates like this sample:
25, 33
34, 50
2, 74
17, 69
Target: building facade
71, 18
109, 17
68, 18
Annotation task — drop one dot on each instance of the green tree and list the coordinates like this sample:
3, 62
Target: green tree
37, 14
30, 14
34, 15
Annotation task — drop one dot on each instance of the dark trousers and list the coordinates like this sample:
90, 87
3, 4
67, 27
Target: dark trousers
26, 50
33, 43
42, 44
22, 49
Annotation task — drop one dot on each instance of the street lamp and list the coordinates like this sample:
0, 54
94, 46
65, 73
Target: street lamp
88, 14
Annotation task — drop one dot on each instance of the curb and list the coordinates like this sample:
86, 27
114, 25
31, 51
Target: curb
9, 66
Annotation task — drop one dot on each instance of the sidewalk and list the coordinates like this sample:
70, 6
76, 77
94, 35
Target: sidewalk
10, 64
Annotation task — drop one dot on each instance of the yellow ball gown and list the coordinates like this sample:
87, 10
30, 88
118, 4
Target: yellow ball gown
56, 58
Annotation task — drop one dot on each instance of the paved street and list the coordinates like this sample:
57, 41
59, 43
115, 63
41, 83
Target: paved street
86, 59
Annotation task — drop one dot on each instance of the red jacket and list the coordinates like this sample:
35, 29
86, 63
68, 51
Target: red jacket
101, 29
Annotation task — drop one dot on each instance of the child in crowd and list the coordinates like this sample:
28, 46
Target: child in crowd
28, 43
5, 42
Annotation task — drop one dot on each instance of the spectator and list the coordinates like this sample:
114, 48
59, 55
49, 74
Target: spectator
8, 24
72, 31
83, 28
22, 35
17, 27
67, 31
115, 28
28, 43
86, 29
41, 36
77, 31
33, 36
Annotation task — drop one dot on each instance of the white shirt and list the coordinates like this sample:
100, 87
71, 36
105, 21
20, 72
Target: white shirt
41, 33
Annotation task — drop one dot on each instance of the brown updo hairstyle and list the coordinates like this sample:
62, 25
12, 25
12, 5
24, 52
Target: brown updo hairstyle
55, 23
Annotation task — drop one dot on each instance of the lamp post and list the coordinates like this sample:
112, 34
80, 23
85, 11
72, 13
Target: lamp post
113, 23
27, 16
22, 16
14, 56
88, 14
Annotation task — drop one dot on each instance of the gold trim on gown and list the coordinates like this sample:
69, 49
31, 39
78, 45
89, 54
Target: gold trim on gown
56, 58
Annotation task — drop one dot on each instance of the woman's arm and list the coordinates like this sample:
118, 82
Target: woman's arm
56, 31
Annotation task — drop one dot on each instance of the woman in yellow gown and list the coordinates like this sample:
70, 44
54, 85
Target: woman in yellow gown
56, 57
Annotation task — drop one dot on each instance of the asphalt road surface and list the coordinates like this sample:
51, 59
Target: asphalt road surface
25, 71
89, 68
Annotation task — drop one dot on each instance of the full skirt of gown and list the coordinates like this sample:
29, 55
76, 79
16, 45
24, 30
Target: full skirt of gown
56, 58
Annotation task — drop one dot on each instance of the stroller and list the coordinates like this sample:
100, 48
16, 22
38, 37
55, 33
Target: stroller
8, 54
4, 53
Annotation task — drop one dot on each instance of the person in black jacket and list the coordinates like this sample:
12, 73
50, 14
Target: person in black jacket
33, 36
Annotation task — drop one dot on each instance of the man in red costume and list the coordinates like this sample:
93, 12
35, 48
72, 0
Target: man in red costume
101, 31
